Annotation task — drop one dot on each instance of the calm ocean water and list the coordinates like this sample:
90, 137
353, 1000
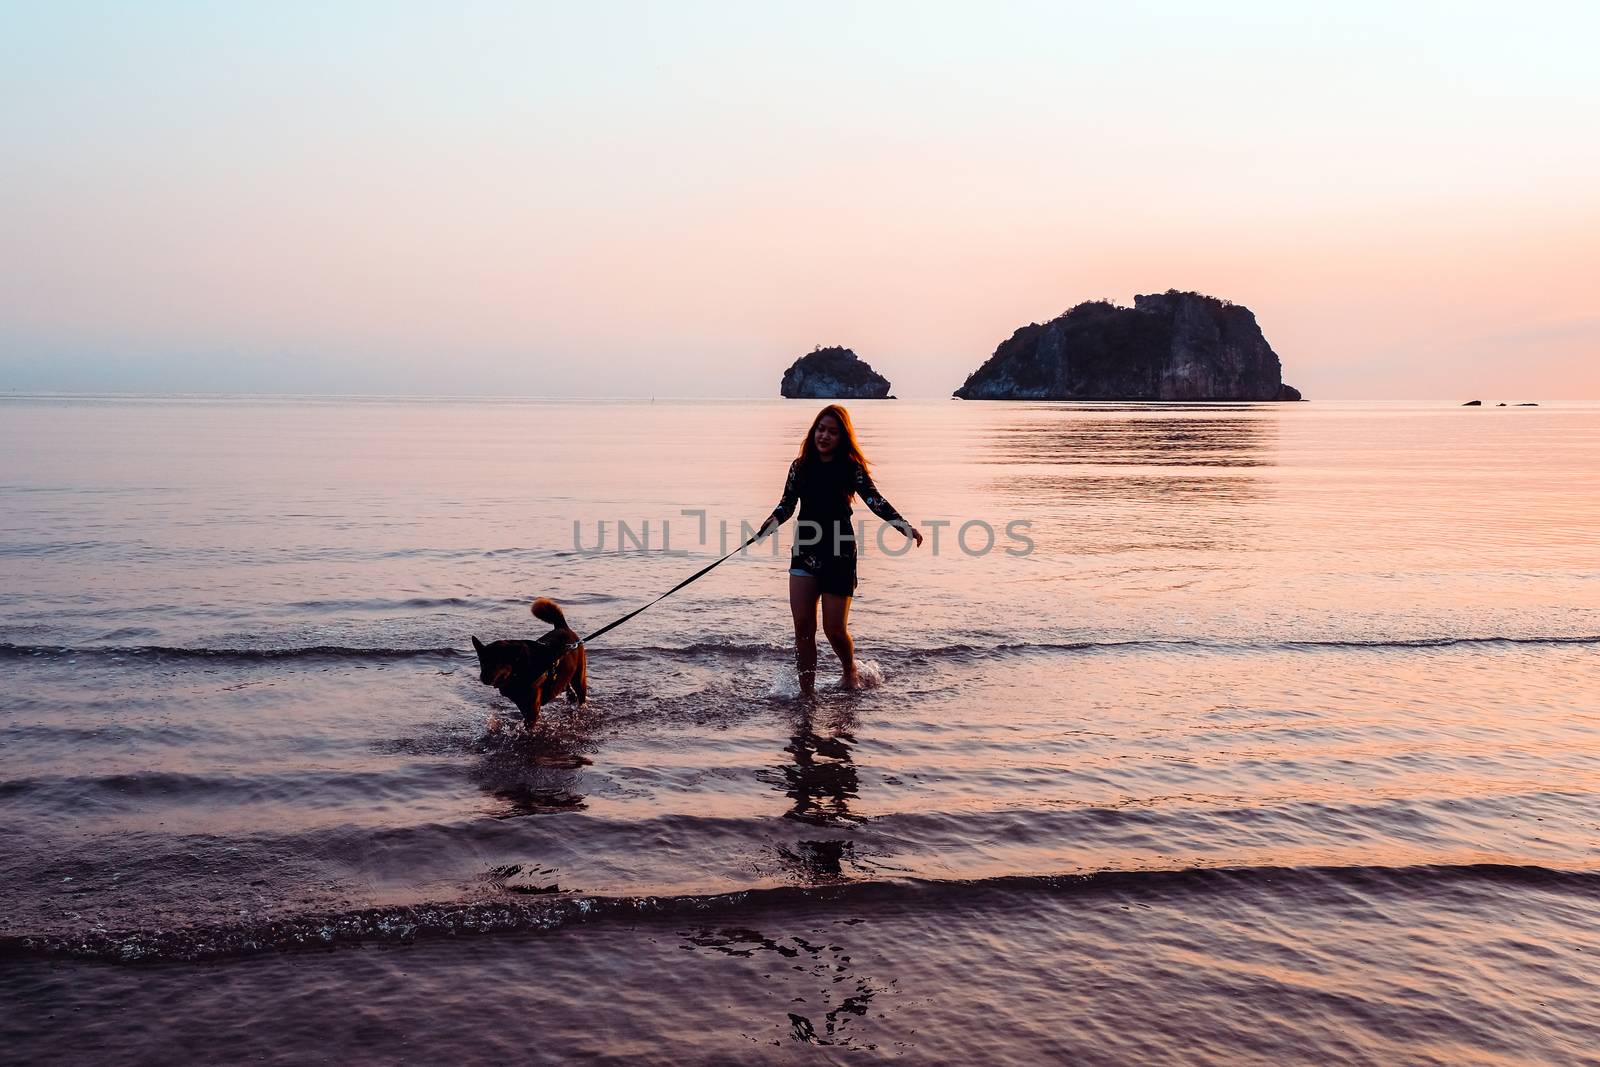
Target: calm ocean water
1281, 745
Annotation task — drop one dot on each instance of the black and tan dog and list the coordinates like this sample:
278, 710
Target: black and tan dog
530, 674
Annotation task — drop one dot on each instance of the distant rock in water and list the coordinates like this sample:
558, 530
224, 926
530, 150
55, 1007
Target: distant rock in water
833, 374
1473, 404
1168, 346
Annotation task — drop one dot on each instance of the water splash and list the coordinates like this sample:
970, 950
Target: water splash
784, 685
872, 674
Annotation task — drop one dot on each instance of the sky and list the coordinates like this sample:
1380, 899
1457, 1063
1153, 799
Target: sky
679, 199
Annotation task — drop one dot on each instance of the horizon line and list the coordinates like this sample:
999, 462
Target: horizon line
45, 394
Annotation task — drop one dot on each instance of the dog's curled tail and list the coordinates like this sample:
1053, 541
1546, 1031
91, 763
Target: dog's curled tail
548, 610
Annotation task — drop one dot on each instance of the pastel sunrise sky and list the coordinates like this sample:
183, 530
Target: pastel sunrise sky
678, 199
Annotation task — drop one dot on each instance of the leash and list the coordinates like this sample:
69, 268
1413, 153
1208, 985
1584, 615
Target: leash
696, 576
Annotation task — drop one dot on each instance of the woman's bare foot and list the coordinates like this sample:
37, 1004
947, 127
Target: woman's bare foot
851, 679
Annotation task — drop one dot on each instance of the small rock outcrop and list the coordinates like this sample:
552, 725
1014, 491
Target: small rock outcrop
1168, 346
833, 374
1473, 404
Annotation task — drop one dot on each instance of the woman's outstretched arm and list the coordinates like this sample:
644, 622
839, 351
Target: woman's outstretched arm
880, 507
791, 497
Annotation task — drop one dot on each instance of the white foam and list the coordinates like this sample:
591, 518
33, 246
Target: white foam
785, 683
871, 673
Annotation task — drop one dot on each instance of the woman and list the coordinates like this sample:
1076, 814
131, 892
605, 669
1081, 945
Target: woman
828, 473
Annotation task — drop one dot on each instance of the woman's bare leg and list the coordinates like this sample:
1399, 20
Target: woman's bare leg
803, 604
836, 624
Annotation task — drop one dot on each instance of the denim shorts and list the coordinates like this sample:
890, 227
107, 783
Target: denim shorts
836, 575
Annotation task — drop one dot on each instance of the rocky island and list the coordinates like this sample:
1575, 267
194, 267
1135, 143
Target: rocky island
1168, 346
833, 374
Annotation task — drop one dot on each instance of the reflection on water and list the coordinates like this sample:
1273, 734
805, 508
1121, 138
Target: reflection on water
1129, 437
519, 800
821, 776
819, 861
1148, 489
530, 775
821, 781
822, 991
1062, 456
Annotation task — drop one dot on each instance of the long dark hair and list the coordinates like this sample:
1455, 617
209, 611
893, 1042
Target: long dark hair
852, 447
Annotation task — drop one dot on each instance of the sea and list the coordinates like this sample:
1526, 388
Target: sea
1205, 734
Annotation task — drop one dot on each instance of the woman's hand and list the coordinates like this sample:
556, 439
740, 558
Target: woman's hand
916, 535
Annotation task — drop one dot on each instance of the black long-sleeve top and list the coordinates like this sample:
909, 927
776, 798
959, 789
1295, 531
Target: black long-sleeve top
823, 491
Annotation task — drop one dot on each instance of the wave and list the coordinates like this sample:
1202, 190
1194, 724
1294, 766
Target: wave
1445, 642
963, 649
48, 548
405, 924
141, 789
423, 603
246, 655
383, 604
754, 650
